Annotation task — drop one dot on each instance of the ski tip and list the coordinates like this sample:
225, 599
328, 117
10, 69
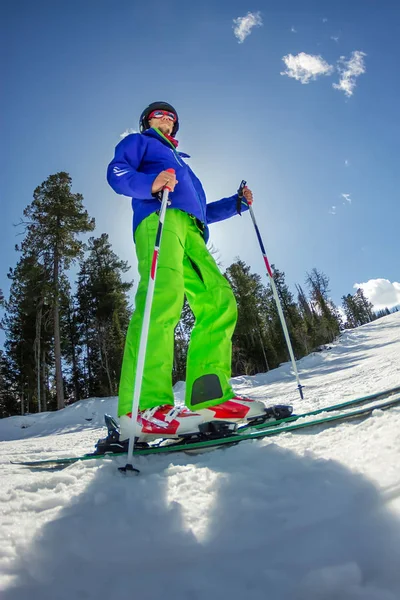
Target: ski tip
128, 468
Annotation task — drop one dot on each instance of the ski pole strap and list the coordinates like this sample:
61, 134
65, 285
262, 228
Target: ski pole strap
240, 197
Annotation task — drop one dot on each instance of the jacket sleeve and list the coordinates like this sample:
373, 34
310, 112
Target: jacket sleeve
122, 173
224, 209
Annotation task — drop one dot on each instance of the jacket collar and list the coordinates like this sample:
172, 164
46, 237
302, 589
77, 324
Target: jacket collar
156, 135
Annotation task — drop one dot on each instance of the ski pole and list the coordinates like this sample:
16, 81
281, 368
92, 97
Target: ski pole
274, 291
145, 330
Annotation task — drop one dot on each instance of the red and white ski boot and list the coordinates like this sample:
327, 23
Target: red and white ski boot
160, 422
234, 410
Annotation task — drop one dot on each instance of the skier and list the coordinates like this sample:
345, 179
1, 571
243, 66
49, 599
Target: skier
185, 266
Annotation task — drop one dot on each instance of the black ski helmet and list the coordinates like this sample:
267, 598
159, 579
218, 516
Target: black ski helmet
144, 121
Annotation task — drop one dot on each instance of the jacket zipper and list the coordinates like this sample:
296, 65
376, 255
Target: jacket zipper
199, 201
176, 158
194, 189
197, 195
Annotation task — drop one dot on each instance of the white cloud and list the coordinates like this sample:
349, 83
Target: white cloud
346, 197
349, 70
305, 67
243, 25
332, 210
335, 38
381, 292
127, 132
346, 162
293, 30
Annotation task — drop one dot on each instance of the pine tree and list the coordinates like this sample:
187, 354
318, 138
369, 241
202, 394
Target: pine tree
26, 324
358, 309
291, 314
328, 320
103, 313
54, 220
384, 312
9, 401
309, 322
350, 310
365, 308
71, 347
181, 343
252, 351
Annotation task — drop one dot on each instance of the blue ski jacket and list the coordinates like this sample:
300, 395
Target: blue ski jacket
140, 157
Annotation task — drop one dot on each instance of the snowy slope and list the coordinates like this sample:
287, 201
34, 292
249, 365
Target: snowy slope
313, 515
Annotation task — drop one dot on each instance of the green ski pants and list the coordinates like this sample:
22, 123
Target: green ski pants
185, 266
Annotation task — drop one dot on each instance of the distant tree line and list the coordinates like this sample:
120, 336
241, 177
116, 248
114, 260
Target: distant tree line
64, 345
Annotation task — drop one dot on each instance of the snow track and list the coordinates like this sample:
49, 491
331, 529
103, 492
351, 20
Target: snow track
308, 516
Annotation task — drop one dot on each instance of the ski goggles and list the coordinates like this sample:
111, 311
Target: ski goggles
157, 114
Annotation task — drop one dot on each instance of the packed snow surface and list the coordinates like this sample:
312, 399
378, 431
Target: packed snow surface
311, 515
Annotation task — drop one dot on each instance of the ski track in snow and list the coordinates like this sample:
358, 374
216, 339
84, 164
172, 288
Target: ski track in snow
312, 515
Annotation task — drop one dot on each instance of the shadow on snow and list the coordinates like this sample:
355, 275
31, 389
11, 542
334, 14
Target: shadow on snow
254, 521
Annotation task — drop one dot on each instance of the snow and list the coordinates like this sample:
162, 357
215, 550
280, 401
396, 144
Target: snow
311, 515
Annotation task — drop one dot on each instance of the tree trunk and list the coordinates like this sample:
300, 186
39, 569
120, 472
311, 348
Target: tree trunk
73, 355
44, 382
57, 338
38, 353
104, 355
263, 350
75, 376
88, 361
258, 326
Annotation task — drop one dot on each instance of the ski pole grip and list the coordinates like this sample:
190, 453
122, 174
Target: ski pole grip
241, 188
166, 186
240, 196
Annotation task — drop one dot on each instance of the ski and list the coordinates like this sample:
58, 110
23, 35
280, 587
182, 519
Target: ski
227, 440
311, 413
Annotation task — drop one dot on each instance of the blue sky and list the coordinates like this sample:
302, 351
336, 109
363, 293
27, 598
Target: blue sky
78, 74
